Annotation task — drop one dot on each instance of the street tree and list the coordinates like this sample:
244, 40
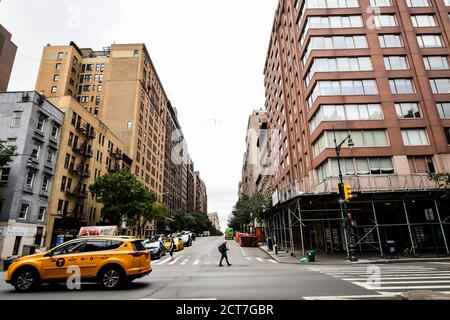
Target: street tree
125, 198
6, 156
443, 180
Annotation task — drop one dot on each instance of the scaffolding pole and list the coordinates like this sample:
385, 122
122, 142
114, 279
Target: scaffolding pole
442, 227
301, 228
291, 235
376, 224
409, 228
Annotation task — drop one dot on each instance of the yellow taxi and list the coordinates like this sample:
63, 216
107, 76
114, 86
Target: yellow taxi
111, 261
179, 243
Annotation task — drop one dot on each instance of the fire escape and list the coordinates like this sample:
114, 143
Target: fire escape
81, 170
114, 166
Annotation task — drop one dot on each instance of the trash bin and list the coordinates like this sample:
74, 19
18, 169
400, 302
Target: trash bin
7, 262
311, 255
269, 243
390, 249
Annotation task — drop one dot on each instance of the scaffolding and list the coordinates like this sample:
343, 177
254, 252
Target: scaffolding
311, 219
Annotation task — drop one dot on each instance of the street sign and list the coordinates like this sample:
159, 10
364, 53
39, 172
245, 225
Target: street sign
17, 231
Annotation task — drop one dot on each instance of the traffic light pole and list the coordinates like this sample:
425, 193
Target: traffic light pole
346, 221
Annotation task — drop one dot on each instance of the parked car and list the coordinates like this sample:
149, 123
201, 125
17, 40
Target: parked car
113, 261
187, 239
156, 248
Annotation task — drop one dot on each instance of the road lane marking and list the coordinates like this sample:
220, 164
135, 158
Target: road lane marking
385, 294
174, 261
397, 278
371, 287
162, 262
242, 251
406, 282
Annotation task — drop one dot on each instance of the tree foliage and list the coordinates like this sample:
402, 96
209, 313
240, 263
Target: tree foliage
194, 221
6, 153
248, 209
125, 198
443, 180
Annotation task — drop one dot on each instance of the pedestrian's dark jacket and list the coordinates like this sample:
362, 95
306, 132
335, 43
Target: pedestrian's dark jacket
223, 248
172, 246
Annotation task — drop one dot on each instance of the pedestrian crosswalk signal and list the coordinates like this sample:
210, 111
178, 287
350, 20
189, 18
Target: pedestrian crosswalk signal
347, 192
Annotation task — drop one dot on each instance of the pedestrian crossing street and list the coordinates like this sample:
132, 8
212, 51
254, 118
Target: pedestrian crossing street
182, 260
391, 281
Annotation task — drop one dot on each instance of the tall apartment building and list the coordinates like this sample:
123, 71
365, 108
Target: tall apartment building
379, 71
214, 218
201, 198
175, 169
121, 87
88, 150
7, 55
33, 125
251, 167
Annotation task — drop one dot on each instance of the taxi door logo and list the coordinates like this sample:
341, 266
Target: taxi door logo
60, 262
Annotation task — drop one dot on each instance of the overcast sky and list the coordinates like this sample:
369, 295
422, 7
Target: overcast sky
209, 55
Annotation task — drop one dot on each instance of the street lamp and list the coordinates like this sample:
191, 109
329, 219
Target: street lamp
349, 239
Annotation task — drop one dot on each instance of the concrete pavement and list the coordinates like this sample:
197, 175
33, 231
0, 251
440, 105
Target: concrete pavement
254, 275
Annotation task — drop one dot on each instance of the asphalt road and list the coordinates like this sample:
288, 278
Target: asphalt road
195, 274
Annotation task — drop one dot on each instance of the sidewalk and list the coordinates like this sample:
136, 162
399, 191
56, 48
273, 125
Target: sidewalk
340, 259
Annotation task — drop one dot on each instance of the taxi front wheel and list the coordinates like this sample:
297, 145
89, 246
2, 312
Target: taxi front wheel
111, 278
25, 280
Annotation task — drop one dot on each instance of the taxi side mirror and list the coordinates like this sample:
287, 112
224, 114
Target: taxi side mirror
49, 254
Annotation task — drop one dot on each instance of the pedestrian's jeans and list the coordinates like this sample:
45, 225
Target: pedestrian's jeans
224, 256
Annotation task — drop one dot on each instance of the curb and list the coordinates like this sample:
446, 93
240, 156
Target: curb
272, 256
380, 261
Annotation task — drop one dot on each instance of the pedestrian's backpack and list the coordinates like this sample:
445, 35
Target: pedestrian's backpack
221, 249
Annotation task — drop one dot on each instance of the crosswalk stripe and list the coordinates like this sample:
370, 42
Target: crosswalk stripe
408, 287
174, 261
162, 262
185, 261
273, 261
259, 259
398, 278
196, 262
407, 282
249, 259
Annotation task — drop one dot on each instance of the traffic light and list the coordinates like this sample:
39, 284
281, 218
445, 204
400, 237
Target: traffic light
347, 192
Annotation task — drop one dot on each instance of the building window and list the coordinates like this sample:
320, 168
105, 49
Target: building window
61, 55
70, 141
41, 215
385, 20
136, 53
423, 20
35, 151
417, 3
55, 130
67, 161
54, 89
390, 41
408, 110
444, 110
402, 86
440, 86
29, 181
129, 125
4, 175
436, 62
430, 41
396, 63
447, 134
41, 124
421, 164
56, 77
45, 184
415, 137
58, 66
16, 119
24, 211
51, 155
